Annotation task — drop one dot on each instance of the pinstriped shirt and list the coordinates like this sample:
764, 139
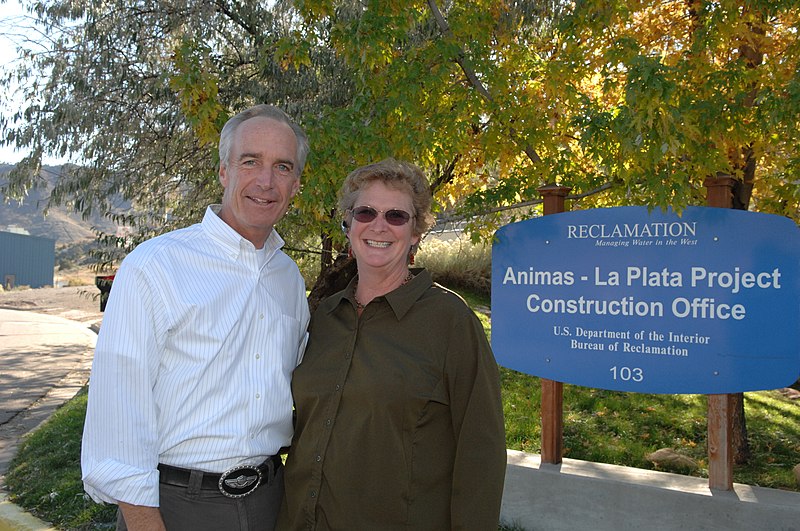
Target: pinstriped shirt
194, 360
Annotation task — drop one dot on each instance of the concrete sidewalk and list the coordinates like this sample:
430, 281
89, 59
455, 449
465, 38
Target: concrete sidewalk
44, 362
578, 495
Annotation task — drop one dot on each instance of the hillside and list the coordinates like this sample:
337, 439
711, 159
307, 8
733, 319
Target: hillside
63, 225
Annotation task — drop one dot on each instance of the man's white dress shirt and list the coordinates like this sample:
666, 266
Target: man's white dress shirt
194, 360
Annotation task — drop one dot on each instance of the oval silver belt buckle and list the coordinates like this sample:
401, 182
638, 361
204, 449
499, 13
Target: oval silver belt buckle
239, 485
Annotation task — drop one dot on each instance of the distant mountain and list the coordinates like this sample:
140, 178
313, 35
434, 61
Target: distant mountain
60, 224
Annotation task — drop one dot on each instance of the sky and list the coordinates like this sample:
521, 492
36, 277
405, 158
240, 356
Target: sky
11, 32
8, 53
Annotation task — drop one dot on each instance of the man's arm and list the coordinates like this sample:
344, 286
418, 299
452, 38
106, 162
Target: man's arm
120, 441
139, 517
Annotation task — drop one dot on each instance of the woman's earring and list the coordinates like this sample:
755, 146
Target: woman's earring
411, 252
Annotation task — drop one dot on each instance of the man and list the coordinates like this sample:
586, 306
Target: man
189, 398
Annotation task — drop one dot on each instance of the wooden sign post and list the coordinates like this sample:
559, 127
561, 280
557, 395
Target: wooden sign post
720, 407
552, 391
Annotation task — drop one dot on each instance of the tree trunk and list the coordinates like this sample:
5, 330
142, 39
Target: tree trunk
327, 253
739, 442
334, 278
742, 191
745, 163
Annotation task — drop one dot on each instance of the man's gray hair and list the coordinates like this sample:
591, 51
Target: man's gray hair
267, 111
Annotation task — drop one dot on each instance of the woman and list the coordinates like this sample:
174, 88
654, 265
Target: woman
399, 417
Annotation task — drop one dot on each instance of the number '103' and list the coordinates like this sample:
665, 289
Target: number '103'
627, 374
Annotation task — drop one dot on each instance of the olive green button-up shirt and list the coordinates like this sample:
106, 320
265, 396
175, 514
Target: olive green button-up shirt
399, 417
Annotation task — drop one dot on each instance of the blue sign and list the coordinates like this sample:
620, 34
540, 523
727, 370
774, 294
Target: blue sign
648, 301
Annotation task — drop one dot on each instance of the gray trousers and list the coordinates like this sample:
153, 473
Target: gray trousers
195, 509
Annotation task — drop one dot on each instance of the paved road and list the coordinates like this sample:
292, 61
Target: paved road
44, 361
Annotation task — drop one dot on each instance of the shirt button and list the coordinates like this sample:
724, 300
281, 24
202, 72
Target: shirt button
258, 356
318, 459
338, 387
328, 422
258, 396
313, 494
261, 316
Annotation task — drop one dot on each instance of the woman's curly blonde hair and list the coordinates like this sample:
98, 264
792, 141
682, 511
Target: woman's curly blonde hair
396, 174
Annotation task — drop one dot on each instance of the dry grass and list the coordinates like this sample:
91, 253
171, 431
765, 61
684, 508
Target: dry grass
79, 276
457, 264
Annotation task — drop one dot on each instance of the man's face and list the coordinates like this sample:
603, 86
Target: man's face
260, 177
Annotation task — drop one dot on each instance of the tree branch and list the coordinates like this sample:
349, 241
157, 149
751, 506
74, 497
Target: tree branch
444, 27
532, 202
471, 75
445, 175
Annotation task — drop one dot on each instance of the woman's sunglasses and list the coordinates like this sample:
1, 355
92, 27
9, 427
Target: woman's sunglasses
394, 216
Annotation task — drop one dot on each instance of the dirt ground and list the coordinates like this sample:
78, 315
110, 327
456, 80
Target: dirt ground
78, 303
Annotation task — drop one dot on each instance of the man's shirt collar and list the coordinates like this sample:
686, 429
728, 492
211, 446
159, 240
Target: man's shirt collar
233, 242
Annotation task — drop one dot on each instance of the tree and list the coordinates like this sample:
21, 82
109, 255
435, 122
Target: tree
645, 100
138, 91
494, 98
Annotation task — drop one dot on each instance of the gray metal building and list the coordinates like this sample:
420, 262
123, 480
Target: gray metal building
26, 260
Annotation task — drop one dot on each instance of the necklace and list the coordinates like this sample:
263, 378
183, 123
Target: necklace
360, 306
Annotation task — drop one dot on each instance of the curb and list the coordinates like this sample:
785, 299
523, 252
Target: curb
14, 518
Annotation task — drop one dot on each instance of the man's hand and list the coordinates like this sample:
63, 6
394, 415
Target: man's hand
141, 518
